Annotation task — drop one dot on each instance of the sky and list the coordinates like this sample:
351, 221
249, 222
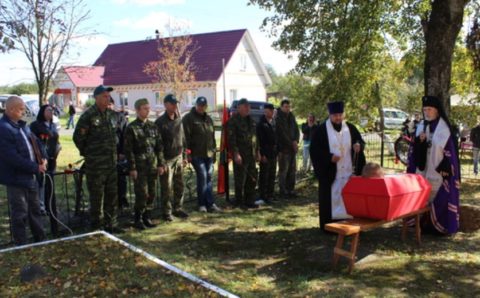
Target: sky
129, 20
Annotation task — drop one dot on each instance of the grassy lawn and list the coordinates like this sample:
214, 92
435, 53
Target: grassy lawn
275, 252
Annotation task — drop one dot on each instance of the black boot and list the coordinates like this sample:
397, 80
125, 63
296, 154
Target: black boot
138, 221
147, 221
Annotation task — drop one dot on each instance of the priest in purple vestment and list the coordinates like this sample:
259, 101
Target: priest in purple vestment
434, 155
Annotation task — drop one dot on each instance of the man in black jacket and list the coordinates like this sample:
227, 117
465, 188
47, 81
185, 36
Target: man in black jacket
268, 153
288, 136
336, 151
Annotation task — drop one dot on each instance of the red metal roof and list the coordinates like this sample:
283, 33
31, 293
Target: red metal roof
124, 62
85, 76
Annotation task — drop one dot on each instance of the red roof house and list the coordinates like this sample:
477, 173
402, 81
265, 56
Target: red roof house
122, 65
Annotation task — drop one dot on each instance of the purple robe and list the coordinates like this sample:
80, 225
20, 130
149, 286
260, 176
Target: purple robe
445, 205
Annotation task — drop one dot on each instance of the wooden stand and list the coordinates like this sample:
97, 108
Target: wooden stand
353, 227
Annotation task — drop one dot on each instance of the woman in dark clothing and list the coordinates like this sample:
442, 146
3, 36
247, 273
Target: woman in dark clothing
46, 132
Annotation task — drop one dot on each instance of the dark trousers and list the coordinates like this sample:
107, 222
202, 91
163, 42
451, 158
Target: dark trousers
102, 187
267, 178
245, 180
204, 170
25, 208
287, 169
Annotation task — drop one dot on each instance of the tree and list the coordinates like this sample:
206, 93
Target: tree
300, 90
344, 42
175, 67
43, 31
19, 89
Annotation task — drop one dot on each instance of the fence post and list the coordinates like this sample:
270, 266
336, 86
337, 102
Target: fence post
382, 147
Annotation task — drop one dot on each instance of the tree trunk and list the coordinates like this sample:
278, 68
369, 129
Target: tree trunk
441, 31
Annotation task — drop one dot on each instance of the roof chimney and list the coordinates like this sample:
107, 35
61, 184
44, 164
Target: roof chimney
157, 34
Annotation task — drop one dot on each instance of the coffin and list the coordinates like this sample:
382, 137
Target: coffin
385, 198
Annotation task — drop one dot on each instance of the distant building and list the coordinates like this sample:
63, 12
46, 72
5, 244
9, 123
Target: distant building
76, 84
121, 66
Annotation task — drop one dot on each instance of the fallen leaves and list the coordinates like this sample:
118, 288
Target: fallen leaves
94, 266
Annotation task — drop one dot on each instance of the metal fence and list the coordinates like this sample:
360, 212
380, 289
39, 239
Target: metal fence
72, 195
71, 205
388, 160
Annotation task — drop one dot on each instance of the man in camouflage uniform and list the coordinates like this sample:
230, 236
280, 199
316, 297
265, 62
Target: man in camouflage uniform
173, 137
242, 142
95, 138
143, 150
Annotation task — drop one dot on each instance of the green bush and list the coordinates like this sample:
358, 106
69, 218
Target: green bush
90, 102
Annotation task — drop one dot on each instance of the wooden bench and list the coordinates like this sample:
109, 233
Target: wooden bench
353, 227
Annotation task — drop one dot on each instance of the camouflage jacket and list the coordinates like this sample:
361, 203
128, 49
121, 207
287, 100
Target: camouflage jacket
242, 136
173, 137
143, 146
200, 134
96, 139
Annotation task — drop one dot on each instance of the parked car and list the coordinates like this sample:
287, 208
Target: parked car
394, 118
256, 109
31, 109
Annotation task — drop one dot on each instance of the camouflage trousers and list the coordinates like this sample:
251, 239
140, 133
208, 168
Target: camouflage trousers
245, 181
102, 187
145, 190
172, 186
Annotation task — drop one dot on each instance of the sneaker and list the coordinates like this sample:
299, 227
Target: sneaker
260, 202
214, 208
180, 213
202, 209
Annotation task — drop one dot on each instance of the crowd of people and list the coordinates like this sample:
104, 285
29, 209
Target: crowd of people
150, 151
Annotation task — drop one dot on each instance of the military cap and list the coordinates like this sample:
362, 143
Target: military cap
100, 89
201, 101
170, 98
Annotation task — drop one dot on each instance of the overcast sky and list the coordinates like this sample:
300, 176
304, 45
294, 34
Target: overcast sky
128, 20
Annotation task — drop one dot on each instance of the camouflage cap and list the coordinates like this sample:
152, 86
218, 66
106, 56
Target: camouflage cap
140, 102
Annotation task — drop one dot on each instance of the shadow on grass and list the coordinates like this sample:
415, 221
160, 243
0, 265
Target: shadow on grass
291, 258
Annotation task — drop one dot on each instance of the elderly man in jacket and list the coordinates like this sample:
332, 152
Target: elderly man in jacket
21, 163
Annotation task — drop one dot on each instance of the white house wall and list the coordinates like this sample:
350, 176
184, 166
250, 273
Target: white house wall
148, 91
245, 79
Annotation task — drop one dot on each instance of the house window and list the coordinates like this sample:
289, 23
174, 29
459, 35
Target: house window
233, 94
189, 97
243, 62
124, 99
